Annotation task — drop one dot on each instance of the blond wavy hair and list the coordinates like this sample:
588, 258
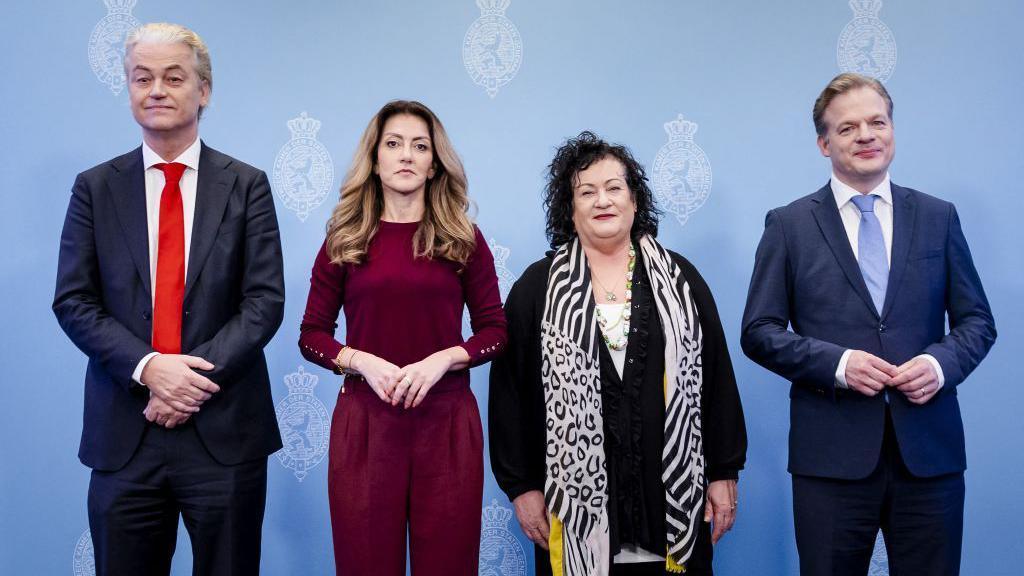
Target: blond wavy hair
445, 231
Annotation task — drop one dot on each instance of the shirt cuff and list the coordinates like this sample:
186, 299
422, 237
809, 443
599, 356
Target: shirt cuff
938, 369
841, 371
137, 375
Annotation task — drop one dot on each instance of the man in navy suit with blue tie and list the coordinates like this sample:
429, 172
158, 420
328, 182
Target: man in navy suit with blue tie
849, 299
170, 281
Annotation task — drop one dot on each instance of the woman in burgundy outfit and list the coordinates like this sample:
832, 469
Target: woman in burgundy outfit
403, 259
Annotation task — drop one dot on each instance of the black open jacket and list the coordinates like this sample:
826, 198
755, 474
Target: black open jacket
633, 407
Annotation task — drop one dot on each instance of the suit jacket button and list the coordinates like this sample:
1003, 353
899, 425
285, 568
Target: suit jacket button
881, 327
146, 315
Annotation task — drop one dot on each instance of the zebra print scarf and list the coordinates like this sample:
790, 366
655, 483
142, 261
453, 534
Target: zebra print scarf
576, 479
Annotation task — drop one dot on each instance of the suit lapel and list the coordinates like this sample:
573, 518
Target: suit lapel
904, 210
213, 188
128, 191
831, 224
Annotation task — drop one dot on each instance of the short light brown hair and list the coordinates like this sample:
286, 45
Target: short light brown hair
165, 33
842, 84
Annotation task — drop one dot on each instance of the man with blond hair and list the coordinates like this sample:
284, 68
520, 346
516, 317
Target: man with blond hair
849, 299
170, 280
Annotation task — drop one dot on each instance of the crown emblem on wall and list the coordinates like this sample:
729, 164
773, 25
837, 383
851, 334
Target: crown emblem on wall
865, 8
487, 6
300, 382
680, 129
304, 126
499, 252
496, 516
120, 6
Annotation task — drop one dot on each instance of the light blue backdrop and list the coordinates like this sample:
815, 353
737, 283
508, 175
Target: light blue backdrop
745, 72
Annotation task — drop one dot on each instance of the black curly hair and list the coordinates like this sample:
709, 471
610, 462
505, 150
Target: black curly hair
576, 155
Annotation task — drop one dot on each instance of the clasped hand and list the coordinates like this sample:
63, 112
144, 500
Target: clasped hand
869, 375
407, 385
176, 390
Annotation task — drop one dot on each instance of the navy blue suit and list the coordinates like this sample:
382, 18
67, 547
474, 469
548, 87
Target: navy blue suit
806, 278
233, 305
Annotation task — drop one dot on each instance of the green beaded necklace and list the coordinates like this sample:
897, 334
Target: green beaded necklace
603, 323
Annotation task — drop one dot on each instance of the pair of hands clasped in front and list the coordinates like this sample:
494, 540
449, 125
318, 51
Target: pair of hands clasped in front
407, 385
176, 390
719, 508
869, 375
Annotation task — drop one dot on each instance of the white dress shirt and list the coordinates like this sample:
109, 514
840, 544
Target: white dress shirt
154, 189
850, 215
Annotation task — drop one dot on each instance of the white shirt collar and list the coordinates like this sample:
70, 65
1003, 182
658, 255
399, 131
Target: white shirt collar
190, 157
843, 192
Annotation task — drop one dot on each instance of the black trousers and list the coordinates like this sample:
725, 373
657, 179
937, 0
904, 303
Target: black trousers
921, 519
133, 512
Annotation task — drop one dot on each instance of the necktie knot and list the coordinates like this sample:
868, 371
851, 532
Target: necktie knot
172, 171
864, 202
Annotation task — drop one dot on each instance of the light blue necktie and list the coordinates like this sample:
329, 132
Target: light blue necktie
874, 264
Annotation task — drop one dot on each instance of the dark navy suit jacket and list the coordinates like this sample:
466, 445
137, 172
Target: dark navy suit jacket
806, 278
234, 302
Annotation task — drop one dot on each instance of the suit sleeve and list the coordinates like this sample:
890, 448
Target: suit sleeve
78, 298
972, 329
766, 337
262, 288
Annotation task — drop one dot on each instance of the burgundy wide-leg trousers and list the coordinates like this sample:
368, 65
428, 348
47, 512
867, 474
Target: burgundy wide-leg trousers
396, 471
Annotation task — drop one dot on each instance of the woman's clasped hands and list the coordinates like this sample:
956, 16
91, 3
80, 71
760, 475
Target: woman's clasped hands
407, 385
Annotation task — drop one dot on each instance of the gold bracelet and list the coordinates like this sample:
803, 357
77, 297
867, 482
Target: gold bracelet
337, 359
350, 358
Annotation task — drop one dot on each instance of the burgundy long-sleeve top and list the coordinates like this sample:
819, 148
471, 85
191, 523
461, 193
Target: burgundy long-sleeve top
404, 309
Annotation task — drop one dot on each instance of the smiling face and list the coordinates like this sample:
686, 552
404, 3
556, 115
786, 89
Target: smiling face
859, 138
603, 208
165, 90
405, 155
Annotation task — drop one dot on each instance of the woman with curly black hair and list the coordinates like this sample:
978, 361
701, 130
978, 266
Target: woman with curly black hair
615, 424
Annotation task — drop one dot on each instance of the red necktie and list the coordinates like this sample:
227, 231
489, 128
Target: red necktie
170, 264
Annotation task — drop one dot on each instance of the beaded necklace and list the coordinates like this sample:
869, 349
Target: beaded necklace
604, 323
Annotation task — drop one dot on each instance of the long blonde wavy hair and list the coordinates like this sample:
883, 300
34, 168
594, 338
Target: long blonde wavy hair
445, 230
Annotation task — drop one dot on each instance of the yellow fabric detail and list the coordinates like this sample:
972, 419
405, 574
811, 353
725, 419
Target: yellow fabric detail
555, 546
